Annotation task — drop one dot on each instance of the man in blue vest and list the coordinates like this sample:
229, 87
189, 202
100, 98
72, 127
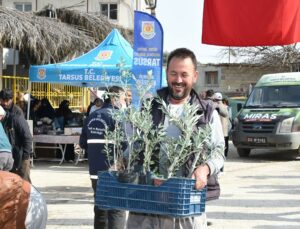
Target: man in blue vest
92, 139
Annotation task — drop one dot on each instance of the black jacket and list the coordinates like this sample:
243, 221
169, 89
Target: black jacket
17, 130
204, 106
93, 132
159, 117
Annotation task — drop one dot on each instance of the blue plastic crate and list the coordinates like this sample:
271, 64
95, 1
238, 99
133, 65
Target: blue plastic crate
176, 197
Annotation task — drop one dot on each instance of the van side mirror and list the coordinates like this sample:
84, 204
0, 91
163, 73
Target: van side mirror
239, 106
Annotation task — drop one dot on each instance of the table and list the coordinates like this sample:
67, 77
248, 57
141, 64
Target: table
60, 142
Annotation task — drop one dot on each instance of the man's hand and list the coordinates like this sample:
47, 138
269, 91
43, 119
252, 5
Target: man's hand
201, 174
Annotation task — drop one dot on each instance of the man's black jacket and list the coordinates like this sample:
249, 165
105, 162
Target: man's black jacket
17, 130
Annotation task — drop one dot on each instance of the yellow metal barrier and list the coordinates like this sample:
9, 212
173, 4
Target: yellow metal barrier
79, 97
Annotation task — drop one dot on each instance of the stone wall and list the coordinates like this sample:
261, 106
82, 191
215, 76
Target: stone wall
234, 79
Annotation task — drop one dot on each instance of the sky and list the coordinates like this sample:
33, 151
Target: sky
182, 25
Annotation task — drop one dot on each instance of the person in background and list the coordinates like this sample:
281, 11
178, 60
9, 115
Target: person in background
229, 125
223, 114
128, 97
6, 101
182, 75
45, 110
22, 205
6, 158
20, 101
92, 139
89, 108
97, 105
220, 107
209, 94
63, 115
18, 133
202, 95
35, 105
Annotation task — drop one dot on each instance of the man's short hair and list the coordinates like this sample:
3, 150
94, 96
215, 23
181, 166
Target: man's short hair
210, 93
112, 91
98, 100
182, 53
6, 94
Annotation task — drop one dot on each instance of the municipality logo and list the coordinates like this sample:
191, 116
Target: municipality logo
104, 55
148, 30
41, 73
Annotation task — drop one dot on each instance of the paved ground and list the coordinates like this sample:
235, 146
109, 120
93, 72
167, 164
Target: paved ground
260, 192
68, 193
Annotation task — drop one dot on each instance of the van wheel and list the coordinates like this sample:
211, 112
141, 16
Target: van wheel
243, 152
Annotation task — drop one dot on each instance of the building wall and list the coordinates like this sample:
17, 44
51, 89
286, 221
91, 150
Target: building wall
125, 7
234, 79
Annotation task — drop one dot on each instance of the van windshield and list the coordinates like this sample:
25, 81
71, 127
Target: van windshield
274, 96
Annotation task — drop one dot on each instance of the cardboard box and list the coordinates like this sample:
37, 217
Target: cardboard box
72, 130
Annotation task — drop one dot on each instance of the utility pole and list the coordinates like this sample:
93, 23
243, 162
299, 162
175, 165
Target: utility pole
151, 5
229, 55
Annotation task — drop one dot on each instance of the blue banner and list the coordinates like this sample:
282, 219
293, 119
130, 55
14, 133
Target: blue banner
147, 50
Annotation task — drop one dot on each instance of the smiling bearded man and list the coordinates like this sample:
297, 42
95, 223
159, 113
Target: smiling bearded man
182, 75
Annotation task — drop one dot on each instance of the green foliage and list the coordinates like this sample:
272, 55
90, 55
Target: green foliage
191, 141
143, 138
134, 126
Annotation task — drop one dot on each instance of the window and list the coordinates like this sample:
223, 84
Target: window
295, 67
211, 78
109, 10
23, 6
275, 96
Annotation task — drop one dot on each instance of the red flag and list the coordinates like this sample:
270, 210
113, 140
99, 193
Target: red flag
251, 22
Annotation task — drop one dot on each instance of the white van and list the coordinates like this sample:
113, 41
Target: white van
270, 118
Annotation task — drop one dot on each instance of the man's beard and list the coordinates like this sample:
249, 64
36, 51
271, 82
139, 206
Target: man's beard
181, 95
7, 108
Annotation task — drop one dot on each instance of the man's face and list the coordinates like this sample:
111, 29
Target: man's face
123, 100
120, 100
6, 103
181, 76
98, 103
128, 97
